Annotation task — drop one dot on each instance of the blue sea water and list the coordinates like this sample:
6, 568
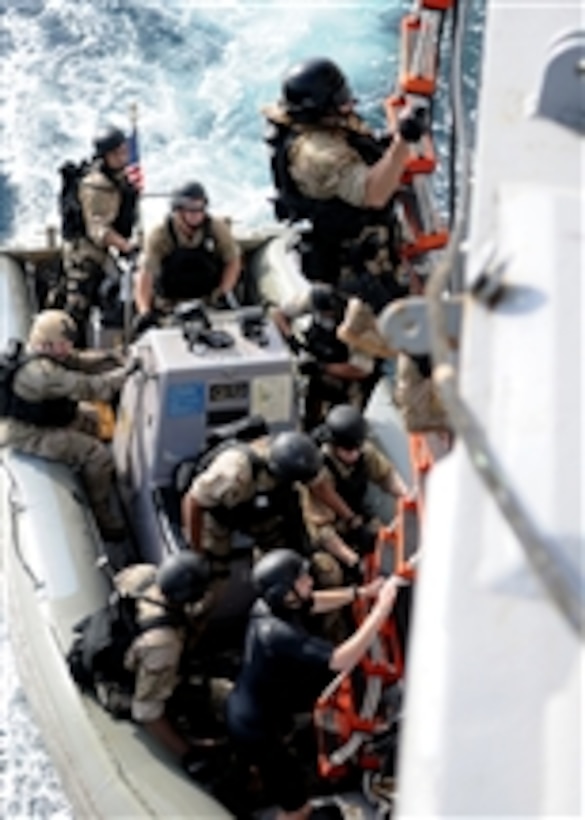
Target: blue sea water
199, 73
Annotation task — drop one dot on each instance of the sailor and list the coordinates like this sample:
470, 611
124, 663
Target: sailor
48, 414
192, 255
336, 509
169, 598
330, 169
285, 668
336, 372
109, 211
252, 489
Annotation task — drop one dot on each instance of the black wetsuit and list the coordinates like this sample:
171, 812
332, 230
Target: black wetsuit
284, 670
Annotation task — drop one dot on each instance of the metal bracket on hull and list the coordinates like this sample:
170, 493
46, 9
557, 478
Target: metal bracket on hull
561, 95
404, 323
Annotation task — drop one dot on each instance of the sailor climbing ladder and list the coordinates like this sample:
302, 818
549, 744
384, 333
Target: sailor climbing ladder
347, 732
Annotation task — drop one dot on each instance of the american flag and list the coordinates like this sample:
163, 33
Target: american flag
134, 169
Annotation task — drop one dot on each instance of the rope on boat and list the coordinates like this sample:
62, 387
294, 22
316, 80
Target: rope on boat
16, 508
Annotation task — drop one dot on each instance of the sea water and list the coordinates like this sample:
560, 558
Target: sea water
198, 74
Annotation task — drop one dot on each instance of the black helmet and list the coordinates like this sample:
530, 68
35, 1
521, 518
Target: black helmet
325, 299
275, 574
108, 140
183, 576
314, 88
294, 457
346, 426
186, 193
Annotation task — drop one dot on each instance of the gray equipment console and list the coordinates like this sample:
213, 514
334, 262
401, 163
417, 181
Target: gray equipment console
186, 388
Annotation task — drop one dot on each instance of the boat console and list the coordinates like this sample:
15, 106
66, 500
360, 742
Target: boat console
210, 369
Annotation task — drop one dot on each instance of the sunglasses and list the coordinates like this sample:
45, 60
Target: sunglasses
194, 209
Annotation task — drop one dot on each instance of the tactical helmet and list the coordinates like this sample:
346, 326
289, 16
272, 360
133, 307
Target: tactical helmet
108, 139
52, 326
346, 426
186, 193
183, 576
275, 574
294, 456
325, 299
315, 87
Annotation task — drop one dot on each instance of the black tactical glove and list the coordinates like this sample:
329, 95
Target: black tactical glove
143, 322
413, 124
295, 345
362, 539
353, 574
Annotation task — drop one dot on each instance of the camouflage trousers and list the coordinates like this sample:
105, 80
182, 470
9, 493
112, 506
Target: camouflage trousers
417, 398
85, 268
75, 445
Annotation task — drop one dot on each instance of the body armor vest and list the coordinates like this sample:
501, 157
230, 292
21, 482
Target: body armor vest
46, 413
335, 240
334, 215
353, 487
272, 516
323, 344
124, 222
190, 273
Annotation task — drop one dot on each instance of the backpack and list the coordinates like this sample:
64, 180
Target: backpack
219, 439
96, 657
10, 361
72, 222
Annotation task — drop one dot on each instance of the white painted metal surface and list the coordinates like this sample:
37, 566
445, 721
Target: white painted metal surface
495, 681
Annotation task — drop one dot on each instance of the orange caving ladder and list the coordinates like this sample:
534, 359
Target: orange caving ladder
423, 227
343, 726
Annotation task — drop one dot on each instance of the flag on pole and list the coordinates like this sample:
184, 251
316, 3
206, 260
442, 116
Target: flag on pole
134, 169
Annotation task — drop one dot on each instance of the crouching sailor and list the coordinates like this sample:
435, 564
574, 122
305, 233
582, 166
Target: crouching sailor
168, 599
47, 411
285, 668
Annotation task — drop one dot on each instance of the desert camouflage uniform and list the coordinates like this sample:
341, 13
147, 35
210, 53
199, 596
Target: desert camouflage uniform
416, 397
83, 376
229, 481
155, 655
160, 244
348, 391
86, 260
324, 166
322, 521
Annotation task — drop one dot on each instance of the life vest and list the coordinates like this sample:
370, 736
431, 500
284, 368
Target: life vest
353, 487
46, 413
190, 273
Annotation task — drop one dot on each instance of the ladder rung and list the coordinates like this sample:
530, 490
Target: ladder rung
418, 57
